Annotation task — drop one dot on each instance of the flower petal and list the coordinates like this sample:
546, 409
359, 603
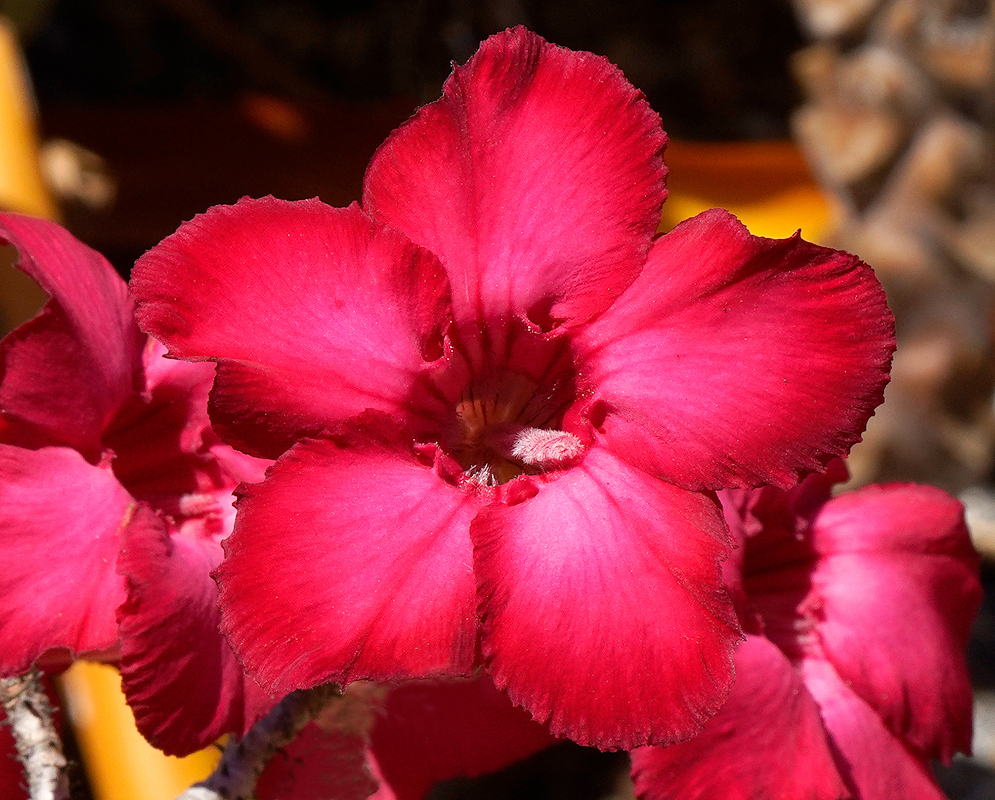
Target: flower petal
12, 777
738, 361
893, 595
67, 371
351, 560
180, 676
60, 523
873, 761
537, 179
614, 577
313, 313
430, 731
158, 438
767, 741
318, 765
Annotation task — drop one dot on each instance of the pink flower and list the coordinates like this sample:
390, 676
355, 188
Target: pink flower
408, 737
430, 731
500, 402
114, 496
852, 675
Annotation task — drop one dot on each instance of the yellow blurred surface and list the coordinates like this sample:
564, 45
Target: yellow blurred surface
766, 184
120, 764
21, 185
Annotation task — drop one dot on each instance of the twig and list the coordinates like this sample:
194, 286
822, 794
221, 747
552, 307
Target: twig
39, 748
244, 761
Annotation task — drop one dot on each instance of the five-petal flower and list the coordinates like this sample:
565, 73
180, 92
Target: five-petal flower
501, 404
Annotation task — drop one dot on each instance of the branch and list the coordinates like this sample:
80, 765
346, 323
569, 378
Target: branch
39, 748
244, 761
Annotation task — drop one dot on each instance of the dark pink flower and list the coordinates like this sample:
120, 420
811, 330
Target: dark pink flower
852, 676
429, 731
500, 403
114, 496
408, 737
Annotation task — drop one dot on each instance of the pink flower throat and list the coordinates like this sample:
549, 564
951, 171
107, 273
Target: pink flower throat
506, 428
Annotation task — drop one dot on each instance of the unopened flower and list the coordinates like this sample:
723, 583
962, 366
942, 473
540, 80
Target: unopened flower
500, 403
114, 496
853, 675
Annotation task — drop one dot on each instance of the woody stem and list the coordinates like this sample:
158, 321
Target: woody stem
244, 760
39, 748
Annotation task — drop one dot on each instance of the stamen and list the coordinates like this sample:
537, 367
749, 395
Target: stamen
498, 439
538, 447
482, 475
199, 505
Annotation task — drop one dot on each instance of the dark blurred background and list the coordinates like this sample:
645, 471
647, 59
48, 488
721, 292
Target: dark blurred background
198, 102
716, 69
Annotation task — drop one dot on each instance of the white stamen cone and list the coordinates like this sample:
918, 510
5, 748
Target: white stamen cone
539, 447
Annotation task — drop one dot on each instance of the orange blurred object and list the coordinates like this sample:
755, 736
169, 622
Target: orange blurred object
120, 764
278, 117
21, 185
766, 184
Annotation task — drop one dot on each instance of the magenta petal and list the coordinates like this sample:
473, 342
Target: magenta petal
180, 676
602, 605
12, 778
767, 741
537, 179
361, 311
160, 437
350, 561
893, 595
735, 360
318, 765
430, 731
873, 761
66, 372
60, 523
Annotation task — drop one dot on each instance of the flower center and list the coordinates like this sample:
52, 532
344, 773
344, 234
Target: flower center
506, 428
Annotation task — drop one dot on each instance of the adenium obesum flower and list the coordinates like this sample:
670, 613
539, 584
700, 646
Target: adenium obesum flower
114, 496
501, 403
852, 676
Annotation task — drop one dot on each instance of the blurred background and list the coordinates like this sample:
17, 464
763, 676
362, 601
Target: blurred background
867, 123
196, 102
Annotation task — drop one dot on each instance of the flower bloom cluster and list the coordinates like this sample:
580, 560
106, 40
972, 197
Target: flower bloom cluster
851, 677
500, 404
497, 408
